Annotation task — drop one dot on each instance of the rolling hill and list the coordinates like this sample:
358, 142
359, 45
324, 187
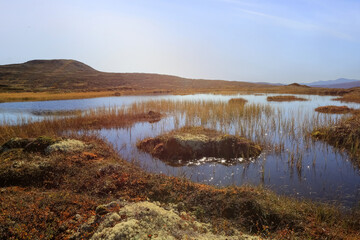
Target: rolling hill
71, 75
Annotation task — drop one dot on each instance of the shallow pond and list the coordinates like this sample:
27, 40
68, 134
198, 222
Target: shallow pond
302, 167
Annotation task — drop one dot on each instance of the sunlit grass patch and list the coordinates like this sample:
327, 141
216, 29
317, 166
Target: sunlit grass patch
285, 98
344, 135
103, 117
334, 109
353, 96
238, 101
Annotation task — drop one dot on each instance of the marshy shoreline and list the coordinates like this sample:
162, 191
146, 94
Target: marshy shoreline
68, 193
78, 182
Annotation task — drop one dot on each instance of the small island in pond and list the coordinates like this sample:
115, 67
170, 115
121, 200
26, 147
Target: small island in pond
334, 109
187, 144
282, 98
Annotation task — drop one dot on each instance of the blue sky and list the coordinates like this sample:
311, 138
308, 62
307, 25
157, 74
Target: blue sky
258, 40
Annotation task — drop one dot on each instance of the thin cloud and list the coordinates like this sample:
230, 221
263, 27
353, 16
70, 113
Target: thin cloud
290, 23
281, 21
239, 2
244, 7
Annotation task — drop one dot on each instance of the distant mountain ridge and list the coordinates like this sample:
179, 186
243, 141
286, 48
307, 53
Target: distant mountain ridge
270, 83
338, 83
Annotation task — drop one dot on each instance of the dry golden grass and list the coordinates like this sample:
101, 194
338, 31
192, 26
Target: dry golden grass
104, 117
334, 109
44, 96
238, 101
93, 93
285, 99
212, 114
350, 97
344, 135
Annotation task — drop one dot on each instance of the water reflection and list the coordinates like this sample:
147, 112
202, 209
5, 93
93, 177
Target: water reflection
291, 163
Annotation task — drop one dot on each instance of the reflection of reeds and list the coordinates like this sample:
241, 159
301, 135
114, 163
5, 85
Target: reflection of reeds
299, 166
334, 109
243, 119
270, 126
273, 127
345, 134
56, 112
238, 101
104, 117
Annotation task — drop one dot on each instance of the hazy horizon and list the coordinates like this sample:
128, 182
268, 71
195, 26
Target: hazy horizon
256, 41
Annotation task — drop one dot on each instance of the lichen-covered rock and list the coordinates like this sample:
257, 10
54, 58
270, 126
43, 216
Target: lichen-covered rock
147, 220
68, 145
192, 143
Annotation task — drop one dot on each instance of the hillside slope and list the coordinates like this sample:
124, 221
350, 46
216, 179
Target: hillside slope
71, 75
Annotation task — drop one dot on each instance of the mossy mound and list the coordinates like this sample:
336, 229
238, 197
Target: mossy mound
29, 144
191, 143
44, 145
29, 161
334, 109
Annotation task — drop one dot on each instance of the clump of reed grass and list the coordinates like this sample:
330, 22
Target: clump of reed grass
334, 109
57, 112
238, 101
268, 125
285, 98
102, 117
345, 135
352, 96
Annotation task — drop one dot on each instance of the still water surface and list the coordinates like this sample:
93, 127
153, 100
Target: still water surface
323, 174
